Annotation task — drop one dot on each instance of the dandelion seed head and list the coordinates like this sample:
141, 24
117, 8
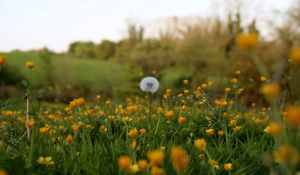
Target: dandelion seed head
149, 84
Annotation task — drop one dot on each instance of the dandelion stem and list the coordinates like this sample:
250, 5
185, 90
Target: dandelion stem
150, 105
27, 115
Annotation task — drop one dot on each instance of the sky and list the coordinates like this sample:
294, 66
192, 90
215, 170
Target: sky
33, 24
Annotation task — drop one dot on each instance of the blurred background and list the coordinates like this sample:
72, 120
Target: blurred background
84, 48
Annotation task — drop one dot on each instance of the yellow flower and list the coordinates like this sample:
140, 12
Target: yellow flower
227, 90
271, 90
237, 72
157, 171
30, 64
274, 129
124, 163
103, 129
200, 144
247, 40
292, 116
210, 131
228, 166
201, 156
45, 160
43, 130
234, 80
214, 164
232, 123
143, 165
156, 157
133, 133
286, 155
179, 158
142, 131
220, 133
181, 120
237, 128
185, 91
69, 138
29, 123
2, 60
3, 172
185, 82
98, 97
134, 168
169, 114
263, 78
295, 55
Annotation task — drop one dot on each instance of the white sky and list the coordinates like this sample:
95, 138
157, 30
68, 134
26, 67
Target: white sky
32, 24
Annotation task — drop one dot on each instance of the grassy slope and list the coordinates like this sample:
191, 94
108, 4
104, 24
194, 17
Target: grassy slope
95, 74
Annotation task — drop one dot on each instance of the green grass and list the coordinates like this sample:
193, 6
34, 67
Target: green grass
94, 75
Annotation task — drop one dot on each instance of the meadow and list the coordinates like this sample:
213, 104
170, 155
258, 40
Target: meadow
212, 99
182, 131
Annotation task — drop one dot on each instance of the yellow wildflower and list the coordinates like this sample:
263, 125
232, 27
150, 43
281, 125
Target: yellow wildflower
247, 40
30, 64
179, 158
156, 157
200, 144
228, 166
124, 163
2, 60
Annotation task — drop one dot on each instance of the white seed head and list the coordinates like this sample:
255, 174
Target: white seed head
149, 84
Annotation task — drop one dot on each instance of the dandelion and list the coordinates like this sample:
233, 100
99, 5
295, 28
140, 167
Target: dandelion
143, 165
124, 163
200, 144
156, 157
247, 41
149, 85
30, 64
179, 158
228, 166
2, 60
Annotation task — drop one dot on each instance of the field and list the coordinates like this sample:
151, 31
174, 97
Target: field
182, 131
206, 95
69, 74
